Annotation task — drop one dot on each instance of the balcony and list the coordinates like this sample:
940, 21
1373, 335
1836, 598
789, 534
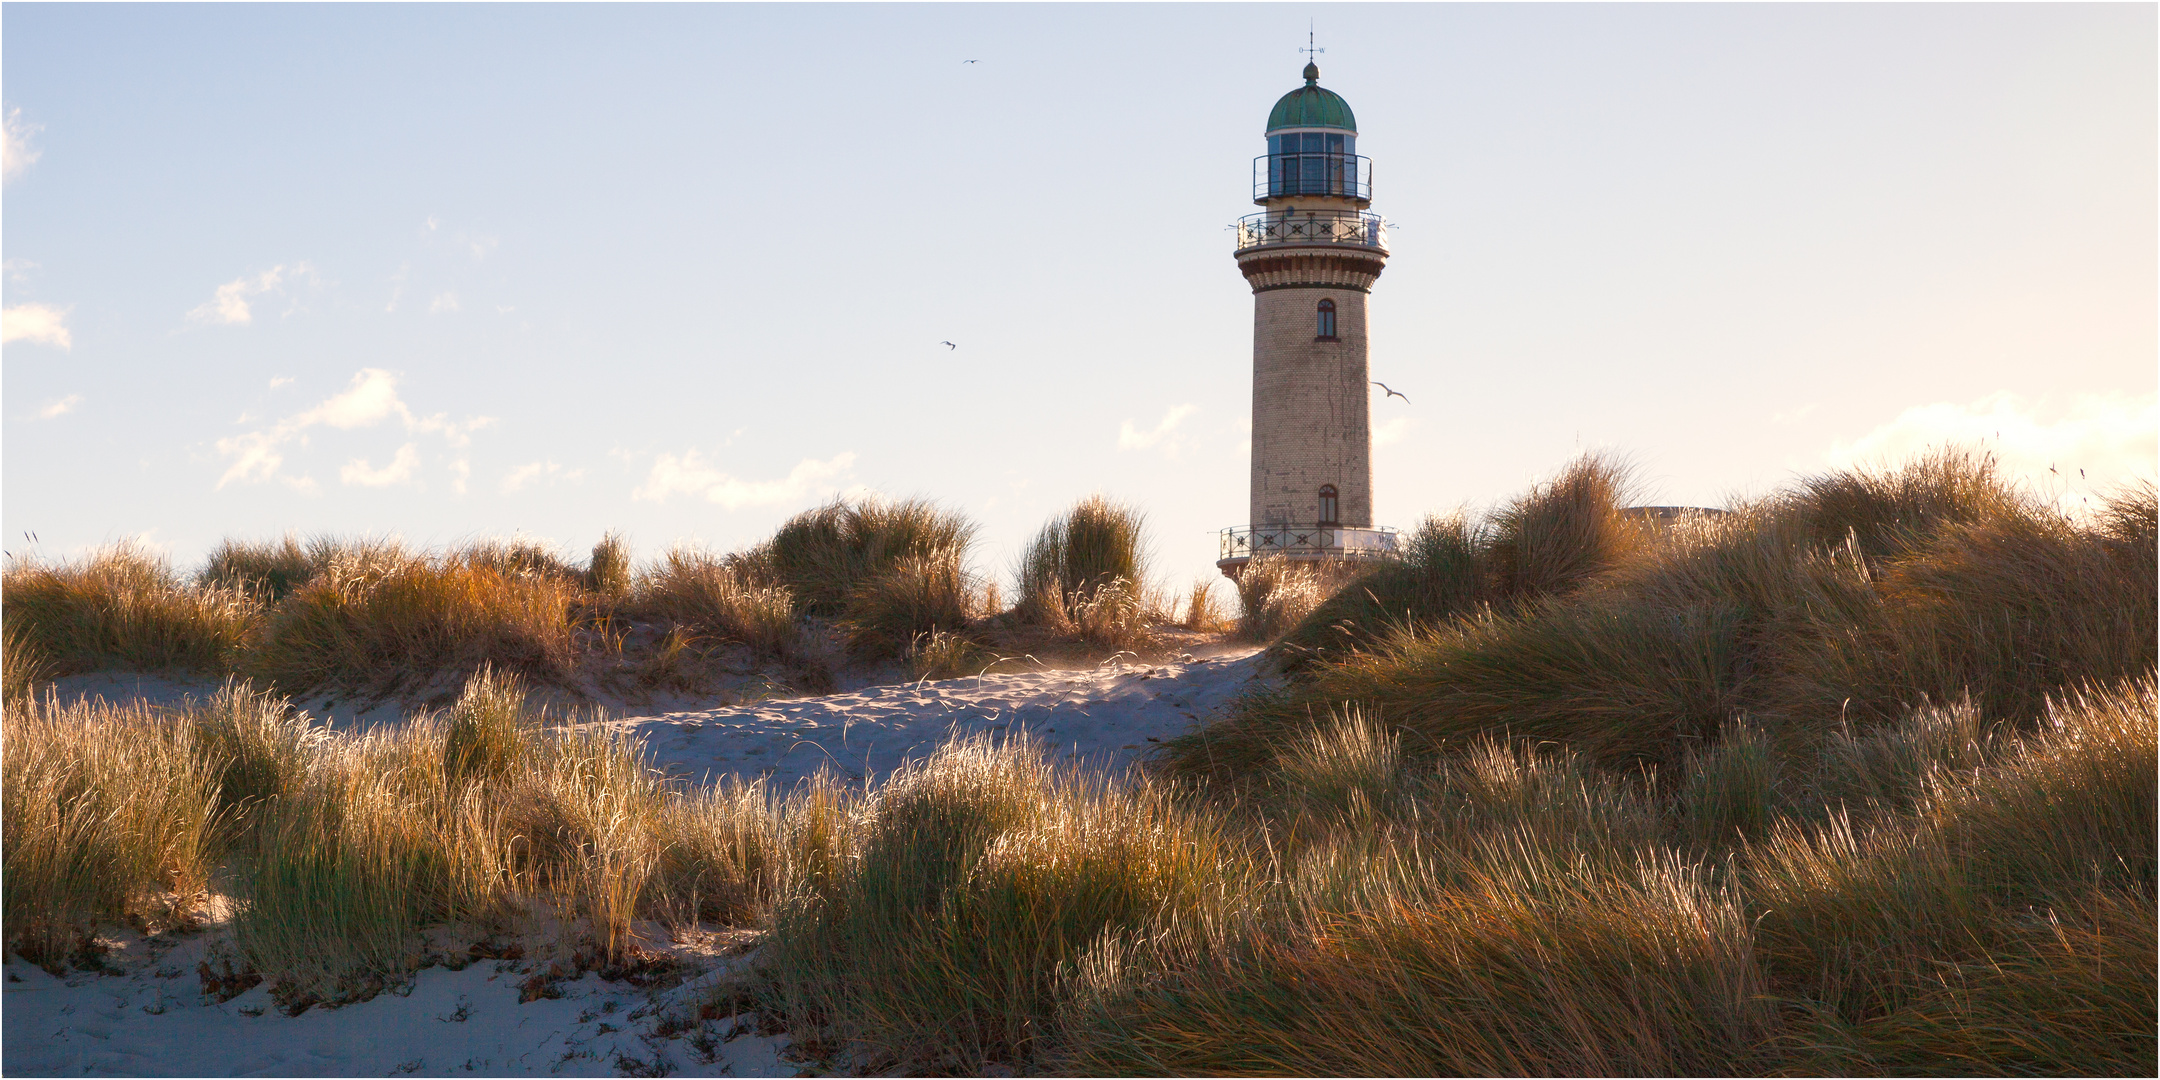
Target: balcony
1305, 542
1312, 227
1345, 176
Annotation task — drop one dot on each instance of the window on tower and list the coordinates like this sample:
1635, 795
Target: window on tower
1328, 513
1327, 321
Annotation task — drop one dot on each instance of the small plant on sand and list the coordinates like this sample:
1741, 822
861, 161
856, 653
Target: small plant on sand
1203, 614
608, 572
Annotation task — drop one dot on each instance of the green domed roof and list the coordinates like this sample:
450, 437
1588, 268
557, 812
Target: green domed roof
1309, 106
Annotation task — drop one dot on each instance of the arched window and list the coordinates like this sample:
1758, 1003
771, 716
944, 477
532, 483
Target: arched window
1327, 320
1328, 513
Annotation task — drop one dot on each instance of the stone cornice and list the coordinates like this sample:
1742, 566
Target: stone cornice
1312, 267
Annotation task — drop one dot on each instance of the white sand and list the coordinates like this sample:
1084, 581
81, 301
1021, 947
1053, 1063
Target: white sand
153, 1019
1108, 714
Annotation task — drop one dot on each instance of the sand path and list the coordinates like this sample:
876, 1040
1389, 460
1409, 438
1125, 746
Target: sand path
1108, 714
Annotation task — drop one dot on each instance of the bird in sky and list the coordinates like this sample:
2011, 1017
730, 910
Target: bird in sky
1391, 391
948, 344
971, 61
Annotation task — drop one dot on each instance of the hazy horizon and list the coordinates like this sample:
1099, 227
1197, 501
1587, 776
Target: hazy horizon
451, 271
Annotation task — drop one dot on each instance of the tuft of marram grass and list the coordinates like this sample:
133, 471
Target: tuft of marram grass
926, 592
22, 670
125, 606
269, 569
391, 620
1088, 548
1203, 613
938, 654
107, 815
719, 599
609, 572
1441, 573
1565, 531
1275, 593
974, 878
257, 749
823, 555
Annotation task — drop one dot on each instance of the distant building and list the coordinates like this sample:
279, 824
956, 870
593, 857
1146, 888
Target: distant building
1311, 257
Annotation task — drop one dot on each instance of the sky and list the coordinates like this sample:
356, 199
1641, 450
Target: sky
449, 272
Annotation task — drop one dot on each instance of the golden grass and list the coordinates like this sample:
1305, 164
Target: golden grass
1088, 547
824, 555
107, 818
718, 598
395, 620
918, 594
972, 879
1276, 593
1777, 792
124, 606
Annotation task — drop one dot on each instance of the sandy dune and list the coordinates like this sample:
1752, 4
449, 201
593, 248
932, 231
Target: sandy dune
152, 1019
1106, 714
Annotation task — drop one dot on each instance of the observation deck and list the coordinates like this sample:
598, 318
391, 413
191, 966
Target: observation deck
1334, 228
1241, 545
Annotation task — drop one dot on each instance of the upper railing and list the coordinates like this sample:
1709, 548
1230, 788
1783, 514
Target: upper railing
1312, 227
1307, 541
1346, 175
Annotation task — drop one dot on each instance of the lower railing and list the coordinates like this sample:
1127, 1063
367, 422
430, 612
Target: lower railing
1307, 541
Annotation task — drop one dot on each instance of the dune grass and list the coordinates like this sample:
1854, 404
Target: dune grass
1553, 539
107, 818
1083, 577
394, 620
973, 879
1766, 612
716, 597
1782, 791
123, 606
824, 555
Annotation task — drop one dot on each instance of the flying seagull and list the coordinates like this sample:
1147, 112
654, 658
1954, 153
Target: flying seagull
1391, 391
948, 344
971, 61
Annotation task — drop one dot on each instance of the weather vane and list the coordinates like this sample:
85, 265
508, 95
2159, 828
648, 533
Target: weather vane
1311, 52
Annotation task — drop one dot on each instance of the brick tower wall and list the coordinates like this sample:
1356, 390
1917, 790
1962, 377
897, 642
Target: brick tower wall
1311, 407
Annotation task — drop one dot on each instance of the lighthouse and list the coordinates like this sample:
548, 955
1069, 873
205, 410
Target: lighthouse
1311, 256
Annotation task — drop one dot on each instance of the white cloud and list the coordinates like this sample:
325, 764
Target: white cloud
18, 270
369, 399
1392, 432
41, 323
691, 475
2112, 436
61, 407
400, 469
16, 154
229, 307
1132, 438
525, 476
280, 380
460, 473
443, 302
